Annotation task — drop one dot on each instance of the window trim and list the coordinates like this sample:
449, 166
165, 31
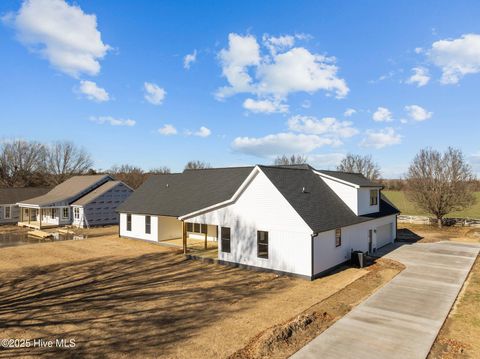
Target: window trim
374, 199
5, 212
76, 213
223, 240
148, 225
338, 237
129, 222
63, 213
262, 244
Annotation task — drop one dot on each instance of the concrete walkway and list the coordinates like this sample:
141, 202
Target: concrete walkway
402, 319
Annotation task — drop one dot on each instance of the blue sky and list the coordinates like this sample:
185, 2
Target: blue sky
262, 79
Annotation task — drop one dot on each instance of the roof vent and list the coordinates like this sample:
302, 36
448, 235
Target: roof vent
304, 190
167, 185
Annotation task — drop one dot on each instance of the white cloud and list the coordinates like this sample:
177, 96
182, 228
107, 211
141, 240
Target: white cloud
167, 130
101, 120
382, 114
420, 77
154, 94
276, 75
61, 33
203, 132
418, 113
189, 59
93, 92
264, 106
325, 160
381, 138
281, 143
349, 112
456, 58
325, 126
280, 43
418, 50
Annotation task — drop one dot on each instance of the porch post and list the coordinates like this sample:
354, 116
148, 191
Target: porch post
206, 237
29, 215
184, 237
40, 218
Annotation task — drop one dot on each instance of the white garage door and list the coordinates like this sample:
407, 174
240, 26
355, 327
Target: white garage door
384, 235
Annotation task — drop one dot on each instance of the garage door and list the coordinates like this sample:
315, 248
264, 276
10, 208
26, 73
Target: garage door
384, 235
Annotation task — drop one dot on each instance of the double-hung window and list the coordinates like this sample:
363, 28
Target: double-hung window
148, 220
373, 197
129, 222
338, 237
7, 212
225, 239
262, 244
65, 213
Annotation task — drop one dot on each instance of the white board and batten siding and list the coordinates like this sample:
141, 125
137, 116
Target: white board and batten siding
357, 199
355, 237
261, 207
138, 227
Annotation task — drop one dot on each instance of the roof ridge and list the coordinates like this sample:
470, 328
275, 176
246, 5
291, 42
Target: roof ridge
215, 168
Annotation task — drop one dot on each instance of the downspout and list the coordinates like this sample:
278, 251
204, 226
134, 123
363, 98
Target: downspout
313, 236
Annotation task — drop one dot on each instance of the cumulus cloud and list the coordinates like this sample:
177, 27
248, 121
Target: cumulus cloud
61, 33
382, 114
349, 112
456, 58
418, 113
101, 120
93, 92
203, 132
189, 59
420, 77
154, 94
281, 143
264, 106
381, 138
167, 130
279, 72
325, 126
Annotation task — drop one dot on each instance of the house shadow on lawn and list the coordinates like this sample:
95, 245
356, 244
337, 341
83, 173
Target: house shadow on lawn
142, 306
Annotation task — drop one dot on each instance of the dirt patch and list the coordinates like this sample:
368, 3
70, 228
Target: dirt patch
281, 341
427, 234
459, 336
126, 298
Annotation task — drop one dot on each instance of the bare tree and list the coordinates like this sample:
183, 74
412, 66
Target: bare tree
440, 183
197, 165
65, 159
290, 160
360, 164
131, 175
22, 163
160, 170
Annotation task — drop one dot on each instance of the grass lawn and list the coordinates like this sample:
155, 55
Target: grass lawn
119, 297
407, 207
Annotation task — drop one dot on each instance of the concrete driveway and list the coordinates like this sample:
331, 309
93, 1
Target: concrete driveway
402, 319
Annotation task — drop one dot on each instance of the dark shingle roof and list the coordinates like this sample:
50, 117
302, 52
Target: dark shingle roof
178, 194
355, 178
14, 195
68, 191
319, 206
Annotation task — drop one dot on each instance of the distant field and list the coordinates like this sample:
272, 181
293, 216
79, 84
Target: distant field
407, 207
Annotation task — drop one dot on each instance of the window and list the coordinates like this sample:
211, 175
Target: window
262, 244
65, 212
129, 222
53, 213
338, 237
196, 227
226, 239
373, 197
7, 212
189, 227
147, 224
76, 213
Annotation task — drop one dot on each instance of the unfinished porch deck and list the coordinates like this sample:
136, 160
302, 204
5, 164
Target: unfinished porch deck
195, 247
36, 225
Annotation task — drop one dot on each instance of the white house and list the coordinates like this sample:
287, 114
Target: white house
290, 219
9, 211
81, 201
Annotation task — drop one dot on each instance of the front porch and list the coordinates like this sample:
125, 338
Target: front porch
39, 218
36, 225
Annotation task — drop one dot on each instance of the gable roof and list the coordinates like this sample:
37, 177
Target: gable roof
177, 194
68, 191
97, 192
319, 206
350, 177
14, 195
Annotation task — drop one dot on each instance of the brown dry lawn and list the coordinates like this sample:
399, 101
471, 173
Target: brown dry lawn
121, 297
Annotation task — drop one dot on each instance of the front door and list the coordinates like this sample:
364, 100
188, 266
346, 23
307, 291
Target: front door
370, 240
